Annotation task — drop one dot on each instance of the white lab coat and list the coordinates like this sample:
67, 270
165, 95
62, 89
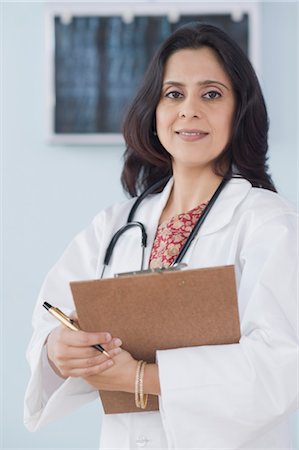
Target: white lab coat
232, 397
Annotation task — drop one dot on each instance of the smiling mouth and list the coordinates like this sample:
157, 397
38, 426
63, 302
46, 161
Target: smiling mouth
191, 134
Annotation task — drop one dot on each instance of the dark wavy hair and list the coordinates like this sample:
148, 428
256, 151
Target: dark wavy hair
145, 159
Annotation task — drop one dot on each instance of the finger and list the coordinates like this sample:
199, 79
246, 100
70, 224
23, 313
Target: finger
114, 343
84, 363
84, 339
84, 372
74, 315
70, 352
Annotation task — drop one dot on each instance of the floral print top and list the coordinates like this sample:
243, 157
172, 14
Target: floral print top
172, 235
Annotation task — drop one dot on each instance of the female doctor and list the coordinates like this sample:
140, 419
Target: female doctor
197, 126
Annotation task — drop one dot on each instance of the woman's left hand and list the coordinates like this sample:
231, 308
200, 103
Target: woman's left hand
119, 377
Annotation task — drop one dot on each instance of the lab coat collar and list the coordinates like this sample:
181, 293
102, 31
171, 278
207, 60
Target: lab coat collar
222, 212
219, 216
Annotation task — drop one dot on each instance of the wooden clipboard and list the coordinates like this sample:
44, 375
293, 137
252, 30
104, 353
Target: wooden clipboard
159, 311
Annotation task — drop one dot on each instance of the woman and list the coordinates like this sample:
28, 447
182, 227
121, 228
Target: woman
199, 118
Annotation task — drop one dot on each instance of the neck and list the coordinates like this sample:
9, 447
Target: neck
189, 191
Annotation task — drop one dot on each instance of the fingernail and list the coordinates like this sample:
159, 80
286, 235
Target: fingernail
110, 363
107, 337
117, 342
115, 351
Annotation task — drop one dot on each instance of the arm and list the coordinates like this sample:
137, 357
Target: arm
70, 354
50, 396
121, 376
230, 395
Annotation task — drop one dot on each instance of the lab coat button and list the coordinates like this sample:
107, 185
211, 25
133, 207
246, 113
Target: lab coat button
142, 441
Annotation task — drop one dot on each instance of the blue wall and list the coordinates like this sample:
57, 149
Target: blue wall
51, 192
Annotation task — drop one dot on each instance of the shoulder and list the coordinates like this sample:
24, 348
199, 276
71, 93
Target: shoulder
265, 214
270, 202
118, 213
114, 214
262, 205
242, 205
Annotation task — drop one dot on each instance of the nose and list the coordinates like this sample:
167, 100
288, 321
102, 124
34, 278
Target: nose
190, 108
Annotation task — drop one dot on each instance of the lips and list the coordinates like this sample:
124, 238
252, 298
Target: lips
191, 134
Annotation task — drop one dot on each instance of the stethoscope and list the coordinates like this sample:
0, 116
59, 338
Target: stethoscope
135, 224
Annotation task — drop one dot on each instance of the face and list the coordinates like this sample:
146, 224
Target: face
195, 112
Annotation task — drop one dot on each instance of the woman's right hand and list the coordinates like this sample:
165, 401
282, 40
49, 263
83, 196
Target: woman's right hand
71, 355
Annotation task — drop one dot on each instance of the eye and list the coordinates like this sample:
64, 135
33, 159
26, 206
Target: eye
174, 94
212, 95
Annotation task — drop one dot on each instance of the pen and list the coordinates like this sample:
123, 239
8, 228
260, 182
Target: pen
68, 322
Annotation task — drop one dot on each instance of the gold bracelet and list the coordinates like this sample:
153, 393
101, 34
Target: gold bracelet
142, 397
137, 381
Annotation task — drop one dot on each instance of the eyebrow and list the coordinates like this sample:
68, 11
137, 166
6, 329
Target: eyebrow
200, 83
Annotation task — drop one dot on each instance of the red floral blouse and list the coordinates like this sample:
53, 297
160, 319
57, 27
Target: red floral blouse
172, 235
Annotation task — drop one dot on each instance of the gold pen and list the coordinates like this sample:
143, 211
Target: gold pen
68, 322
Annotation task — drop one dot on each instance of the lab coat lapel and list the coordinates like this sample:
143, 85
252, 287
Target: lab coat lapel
223, 210
220, 215
150, 210
150, 215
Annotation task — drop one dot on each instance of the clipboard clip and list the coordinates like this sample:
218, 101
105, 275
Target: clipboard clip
177, 266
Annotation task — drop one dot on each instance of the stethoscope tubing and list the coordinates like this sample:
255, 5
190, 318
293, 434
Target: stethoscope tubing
200, 222
131, 223
118, 234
